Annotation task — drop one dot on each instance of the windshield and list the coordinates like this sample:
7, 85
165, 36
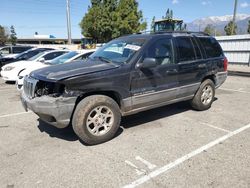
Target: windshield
118, 51
63, 58
36, 56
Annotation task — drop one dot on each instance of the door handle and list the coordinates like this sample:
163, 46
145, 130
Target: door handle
202, 65
171, 71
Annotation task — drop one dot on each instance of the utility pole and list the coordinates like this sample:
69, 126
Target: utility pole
68, 22
234, 16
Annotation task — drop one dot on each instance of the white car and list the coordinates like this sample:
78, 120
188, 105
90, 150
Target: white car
11, 71
65, 58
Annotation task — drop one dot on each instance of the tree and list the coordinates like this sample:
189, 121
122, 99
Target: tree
228, 28
169, 14
108, 19
248, 29
13, 37
209, 29
3, 35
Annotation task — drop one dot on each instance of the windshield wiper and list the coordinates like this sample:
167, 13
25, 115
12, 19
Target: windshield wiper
103, 59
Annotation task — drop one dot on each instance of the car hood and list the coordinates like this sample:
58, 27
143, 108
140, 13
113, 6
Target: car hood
68, 70
33, 68
18, 63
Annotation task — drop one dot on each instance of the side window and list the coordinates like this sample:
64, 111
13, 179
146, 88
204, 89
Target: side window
185, 49
5, 51
17, 50
197, 49
52, 55
211, 46
85, 56
162, 51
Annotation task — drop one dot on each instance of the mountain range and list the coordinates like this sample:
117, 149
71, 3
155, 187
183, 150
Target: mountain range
219, 22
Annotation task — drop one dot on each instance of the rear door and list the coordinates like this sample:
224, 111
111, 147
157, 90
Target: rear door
214, 54
191, 65
158, 84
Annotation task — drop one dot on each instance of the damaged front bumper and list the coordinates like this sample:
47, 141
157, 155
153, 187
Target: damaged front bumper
56, 111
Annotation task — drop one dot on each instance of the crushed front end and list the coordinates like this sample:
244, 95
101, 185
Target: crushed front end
49, 100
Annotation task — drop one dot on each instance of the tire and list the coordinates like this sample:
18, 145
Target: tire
204, 97
96, 119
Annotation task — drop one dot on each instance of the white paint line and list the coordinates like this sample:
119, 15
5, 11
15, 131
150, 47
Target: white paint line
212, 126
148, 164
184, 158
235, 90
15, 114
138, 171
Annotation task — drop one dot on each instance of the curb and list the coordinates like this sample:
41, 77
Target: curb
238, 73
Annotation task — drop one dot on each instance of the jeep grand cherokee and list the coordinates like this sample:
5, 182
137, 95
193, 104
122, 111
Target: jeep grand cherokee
128, 75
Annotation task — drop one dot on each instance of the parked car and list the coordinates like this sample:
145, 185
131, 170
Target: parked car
11, 71
12, 51
22, 56
65, 58
126, 76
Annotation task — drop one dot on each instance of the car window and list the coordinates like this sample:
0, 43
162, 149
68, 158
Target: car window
5, 51
119, 51
28, 55
36, 56
197, 49
63, 58
52, 55
18, 49
211, 46
83, 56
162, 51
185, 49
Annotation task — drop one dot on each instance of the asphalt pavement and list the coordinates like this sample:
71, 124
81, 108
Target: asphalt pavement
172, 146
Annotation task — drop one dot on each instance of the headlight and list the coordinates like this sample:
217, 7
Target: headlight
9, 68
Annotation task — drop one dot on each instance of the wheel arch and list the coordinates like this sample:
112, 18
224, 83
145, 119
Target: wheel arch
211, 77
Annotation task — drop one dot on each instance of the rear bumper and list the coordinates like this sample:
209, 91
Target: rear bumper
220, 78
56, 111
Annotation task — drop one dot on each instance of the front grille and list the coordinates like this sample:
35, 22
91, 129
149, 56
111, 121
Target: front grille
29, 86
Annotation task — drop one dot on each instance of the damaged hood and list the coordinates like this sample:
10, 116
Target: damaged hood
68, 70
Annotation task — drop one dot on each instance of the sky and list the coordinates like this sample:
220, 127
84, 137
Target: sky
48, 17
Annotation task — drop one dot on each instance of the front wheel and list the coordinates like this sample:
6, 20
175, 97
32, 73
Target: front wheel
204, 97
96, 119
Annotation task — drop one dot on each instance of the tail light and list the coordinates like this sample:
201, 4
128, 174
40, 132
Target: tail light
225, 64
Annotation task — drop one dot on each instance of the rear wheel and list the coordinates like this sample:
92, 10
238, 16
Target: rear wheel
204, 97
96, 119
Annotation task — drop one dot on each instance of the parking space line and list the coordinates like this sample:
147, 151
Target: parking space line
218, 128
184, 158
235, 90
15, 114
148, 164
138, 170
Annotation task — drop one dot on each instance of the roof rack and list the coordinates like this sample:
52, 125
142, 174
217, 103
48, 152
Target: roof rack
181, 32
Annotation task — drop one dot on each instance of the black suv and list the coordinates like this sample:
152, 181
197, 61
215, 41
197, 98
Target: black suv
128, 75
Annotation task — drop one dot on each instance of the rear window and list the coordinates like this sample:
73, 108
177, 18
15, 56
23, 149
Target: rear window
211, 47
17, 50
185, 49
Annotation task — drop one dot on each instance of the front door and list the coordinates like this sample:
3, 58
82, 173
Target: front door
155, 85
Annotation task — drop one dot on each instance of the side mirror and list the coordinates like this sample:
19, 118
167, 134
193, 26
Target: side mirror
42, 60
147, 63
